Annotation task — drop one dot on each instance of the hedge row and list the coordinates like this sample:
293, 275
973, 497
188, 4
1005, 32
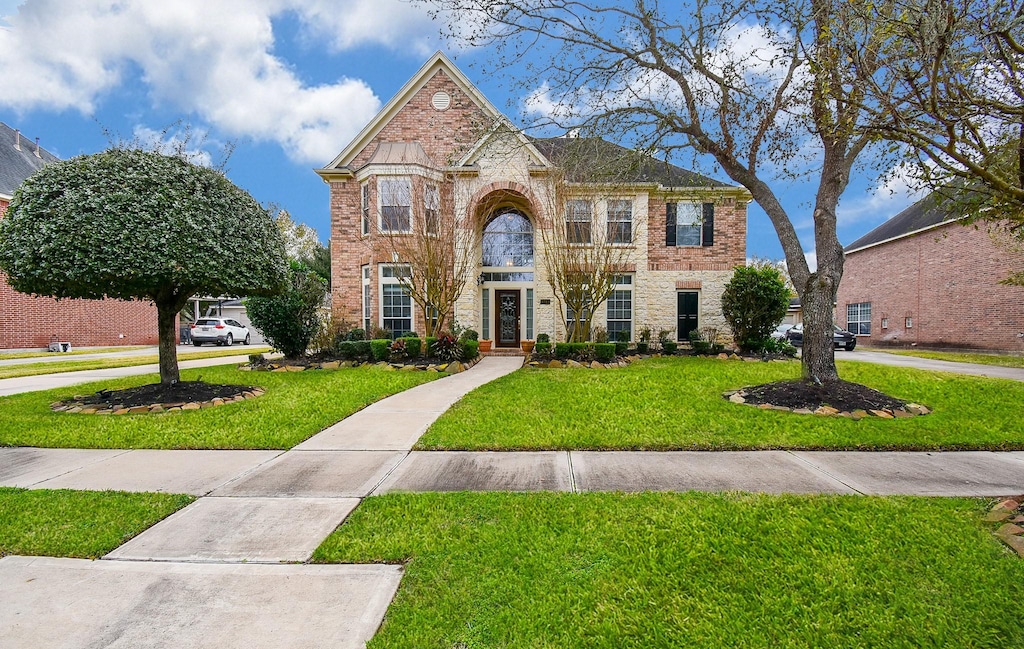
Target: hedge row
405, 348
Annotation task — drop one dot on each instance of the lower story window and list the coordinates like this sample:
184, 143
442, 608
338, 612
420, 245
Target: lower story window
396, 309
858, 318
620, 309
367, 297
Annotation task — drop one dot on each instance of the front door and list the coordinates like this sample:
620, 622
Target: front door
506, 318
686, 307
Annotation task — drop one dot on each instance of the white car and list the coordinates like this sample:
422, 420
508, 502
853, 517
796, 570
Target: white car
223, 331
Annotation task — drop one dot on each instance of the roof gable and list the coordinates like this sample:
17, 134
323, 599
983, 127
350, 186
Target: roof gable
19, 161
438, 63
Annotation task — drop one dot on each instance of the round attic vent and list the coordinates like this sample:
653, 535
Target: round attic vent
441, 101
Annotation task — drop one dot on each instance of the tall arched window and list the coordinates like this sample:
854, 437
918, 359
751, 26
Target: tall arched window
508, 241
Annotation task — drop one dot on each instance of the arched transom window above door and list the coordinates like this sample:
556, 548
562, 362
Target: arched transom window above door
508, 241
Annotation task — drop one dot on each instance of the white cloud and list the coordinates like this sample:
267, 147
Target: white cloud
896, 192
214, 59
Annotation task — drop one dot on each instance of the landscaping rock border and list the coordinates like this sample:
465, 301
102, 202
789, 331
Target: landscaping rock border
76, 406
910, 410
285, 366
1010, 513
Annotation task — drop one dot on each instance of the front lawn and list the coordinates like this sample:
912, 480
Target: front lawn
57, 367
85, 524
676, 403
296, 406
686, 570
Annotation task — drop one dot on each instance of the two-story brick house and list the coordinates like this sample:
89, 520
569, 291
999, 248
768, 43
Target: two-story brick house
439, 145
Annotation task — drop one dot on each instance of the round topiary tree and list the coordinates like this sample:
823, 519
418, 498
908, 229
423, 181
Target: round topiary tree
137, 225
754, 303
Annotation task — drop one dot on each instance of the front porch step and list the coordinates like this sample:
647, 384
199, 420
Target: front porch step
504, 352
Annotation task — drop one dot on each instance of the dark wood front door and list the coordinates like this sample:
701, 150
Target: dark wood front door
686, 307
506, 318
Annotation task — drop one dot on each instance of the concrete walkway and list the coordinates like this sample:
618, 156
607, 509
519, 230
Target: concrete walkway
216, 573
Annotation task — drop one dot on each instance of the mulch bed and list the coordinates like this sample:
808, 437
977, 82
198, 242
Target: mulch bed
146, 395
843, 396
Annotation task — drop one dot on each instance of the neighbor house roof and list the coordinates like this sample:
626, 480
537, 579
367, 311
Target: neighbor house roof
593, 159
20, 157
922, 215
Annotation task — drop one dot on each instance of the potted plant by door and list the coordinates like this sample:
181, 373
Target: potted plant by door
485, 345
527, 345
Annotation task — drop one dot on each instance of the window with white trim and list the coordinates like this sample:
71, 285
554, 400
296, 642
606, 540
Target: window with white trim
395, 198
367, 299
579, 215
858, 318
395, 301
620, 221
431, 209
365, 189
620, 308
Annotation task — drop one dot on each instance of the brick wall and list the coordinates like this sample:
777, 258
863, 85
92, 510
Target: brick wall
947, 281
445, 136
29, 322
730, 243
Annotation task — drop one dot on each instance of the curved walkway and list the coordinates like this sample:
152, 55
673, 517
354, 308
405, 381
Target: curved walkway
192, 577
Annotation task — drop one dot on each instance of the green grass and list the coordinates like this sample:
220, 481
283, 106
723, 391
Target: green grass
961, 357
296, 406
86, 524
58, 367
663, 404
92, 350
686, 570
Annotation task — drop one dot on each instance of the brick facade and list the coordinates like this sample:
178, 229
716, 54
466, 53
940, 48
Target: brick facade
946, 280
505, 170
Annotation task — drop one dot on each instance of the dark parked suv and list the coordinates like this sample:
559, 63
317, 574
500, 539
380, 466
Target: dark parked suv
841, 338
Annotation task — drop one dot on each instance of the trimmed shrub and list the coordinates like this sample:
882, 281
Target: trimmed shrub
621, 347
345, 349
469, 349
413, 346
542, 348
356, 334
291, 319
754, 303
543, 338
381, 349
361, 350
669, 346
641, 348
470, 334
563, 350
429, 348
604, 352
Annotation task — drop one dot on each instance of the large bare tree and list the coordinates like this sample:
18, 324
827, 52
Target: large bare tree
763, 87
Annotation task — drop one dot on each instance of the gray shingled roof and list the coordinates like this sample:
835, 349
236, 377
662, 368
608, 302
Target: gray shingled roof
15, 165
596, 159
922, 214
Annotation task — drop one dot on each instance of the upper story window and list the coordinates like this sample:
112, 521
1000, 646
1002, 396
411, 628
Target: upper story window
508, 241
431, 209
689, 224
579, 215
395, 198
620, 221
365, 208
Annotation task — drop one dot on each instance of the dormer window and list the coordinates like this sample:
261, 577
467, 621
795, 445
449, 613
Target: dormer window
395, 197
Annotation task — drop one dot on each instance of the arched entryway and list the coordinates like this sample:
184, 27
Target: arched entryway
507, 276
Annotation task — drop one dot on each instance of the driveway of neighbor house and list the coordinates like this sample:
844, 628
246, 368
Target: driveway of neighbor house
191, 580
883, 358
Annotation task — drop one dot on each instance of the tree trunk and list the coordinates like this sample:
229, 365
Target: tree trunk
166, 318
819, 360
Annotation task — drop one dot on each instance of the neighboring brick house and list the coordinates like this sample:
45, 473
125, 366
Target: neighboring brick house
923, 279
32, 322
448, 148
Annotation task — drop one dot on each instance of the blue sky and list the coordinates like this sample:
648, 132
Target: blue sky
290, 81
